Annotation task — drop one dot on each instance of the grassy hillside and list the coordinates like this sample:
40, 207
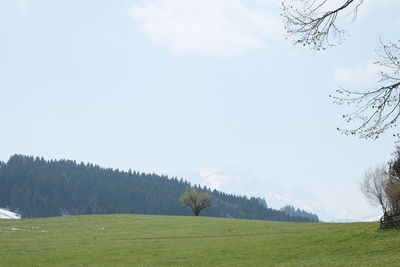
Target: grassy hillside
198, 241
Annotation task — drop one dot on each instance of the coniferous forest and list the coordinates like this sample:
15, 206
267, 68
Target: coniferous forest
35, 187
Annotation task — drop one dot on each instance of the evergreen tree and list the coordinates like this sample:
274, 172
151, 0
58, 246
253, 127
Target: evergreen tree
38, 188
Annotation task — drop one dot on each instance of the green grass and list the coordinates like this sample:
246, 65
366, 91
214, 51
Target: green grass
145, 240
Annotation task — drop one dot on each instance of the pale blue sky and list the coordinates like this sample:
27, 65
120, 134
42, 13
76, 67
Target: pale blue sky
172, 85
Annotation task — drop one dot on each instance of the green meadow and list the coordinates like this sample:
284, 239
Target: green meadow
144, 240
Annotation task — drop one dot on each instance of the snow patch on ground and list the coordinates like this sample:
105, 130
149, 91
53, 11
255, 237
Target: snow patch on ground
16, 229
6, 214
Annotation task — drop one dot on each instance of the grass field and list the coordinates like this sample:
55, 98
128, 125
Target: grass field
145, 240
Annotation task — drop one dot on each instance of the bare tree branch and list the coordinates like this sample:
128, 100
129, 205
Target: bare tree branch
313, 23
308, 24
376, 110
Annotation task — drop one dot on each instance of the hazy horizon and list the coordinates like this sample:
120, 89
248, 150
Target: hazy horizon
196, 87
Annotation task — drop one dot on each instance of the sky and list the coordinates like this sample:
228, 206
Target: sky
210, 90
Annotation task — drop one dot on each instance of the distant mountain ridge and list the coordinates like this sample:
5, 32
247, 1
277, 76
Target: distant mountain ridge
240, 180
35, 187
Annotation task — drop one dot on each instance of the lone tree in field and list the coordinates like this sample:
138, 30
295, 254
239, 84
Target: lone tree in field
314, 23
374, 187
381, 186
196, 201
393, 188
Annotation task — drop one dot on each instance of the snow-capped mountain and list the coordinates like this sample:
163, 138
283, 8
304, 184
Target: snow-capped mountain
244, 182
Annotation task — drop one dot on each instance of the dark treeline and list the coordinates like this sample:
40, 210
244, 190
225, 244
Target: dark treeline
292, 211
35, 187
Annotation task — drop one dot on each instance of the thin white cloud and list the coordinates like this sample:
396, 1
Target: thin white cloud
369, 6
358, 74
275, 2
23, 7
397, 23
216, 27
